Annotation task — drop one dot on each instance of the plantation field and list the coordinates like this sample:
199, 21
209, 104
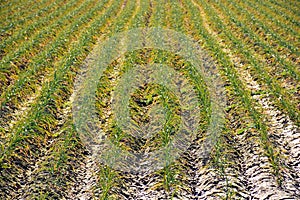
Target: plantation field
251, 46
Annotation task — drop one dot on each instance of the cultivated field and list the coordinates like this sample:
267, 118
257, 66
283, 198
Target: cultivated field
254, 46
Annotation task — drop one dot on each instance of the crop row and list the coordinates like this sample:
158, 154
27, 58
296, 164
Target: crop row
15, 22
27, 29
284, 10
39, 69
270, 150
111, 182
168, 179
36, 127
171, 177
224, 152
261, 69
268, 34
13, 11
272, 20
240, 90
132, 14
38, 40
47, 87
290, 6
254, 38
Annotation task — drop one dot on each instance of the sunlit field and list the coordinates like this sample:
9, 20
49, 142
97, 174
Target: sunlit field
253, 47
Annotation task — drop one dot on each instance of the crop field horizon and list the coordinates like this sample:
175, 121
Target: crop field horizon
150, 99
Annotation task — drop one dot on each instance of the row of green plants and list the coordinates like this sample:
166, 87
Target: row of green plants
29, 28
47, 87
230, 72
180, 173
168, 15
17, 60
14, 11
265, 48
284, 10
261, 71
42, 66
42, 120
272, 20
108, 177
159, 14
113, 12
290, 5
15, 22
139, 20
221, 155
269, 35
168, 175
